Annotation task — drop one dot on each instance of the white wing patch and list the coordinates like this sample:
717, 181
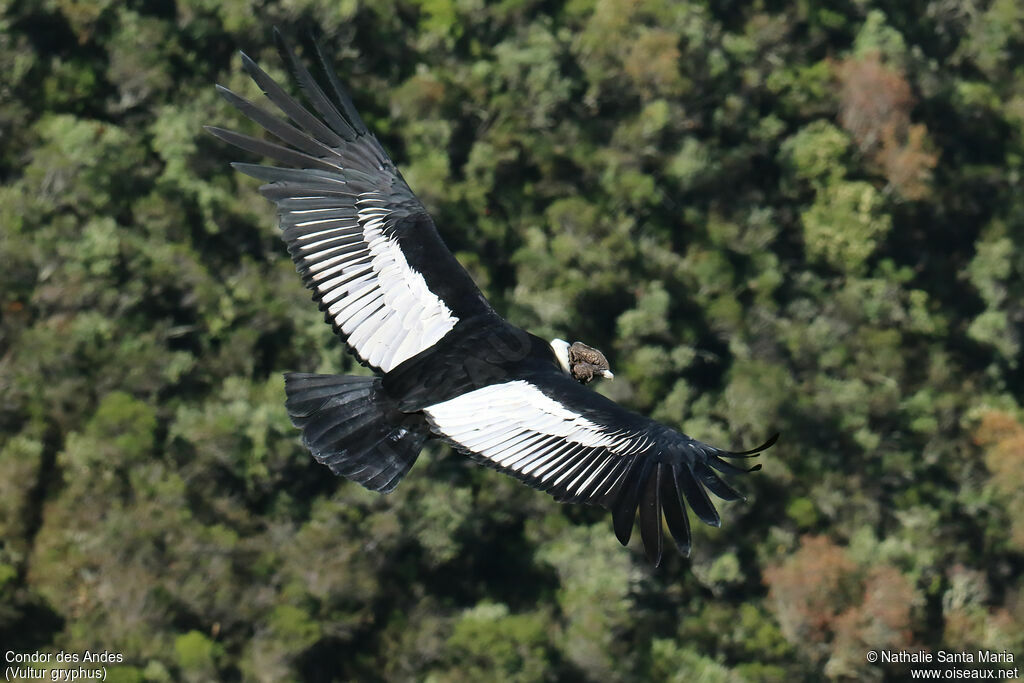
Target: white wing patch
382, 306
518, 427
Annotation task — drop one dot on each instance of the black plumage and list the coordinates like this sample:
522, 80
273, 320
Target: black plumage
447, 365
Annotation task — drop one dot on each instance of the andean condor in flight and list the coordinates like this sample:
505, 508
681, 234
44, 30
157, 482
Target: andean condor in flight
446, 364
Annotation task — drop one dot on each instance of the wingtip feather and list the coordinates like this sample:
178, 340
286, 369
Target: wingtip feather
676, 516
688, 483
753, 451
283, 48
625, 506
650, 516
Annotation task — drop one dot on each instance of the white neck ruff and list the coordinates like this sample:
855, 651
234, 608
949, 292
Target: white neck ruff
561, 349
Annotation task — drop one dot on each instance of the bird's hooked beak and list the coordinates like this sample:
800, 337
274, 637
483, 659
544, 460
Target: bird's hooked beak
607, 374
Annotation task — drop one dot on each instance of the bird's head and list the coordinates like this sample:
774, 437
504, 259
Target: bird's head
581, 362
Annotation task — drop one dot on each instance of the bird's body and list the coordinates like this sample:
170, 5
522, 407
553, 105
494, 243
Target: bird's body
446, 364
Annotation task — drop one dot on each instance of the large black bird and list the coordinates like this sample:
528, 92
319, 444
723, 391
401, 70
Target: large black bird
447, 365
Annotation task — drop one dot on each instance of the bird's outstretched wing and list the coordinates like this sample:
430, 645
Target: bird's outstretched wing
560, 437
359, 237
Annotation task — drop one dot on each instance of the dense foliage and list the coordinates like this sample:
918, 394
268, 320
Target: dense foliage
794, 216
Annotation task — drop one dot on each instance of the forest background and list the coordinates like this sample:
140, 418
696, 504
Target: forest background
796, 216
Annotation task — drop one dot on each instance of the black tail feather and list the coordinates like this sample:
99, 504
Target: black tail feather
350, 425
